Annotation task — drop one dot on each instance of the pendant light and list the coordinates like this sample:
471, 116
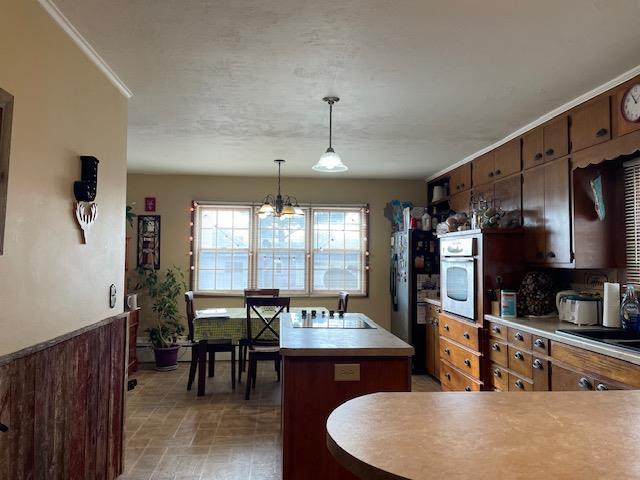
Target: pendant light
278, 205
330, 161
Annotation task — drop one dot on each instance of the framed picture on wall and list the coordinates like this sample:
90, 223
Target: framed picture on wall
149, 241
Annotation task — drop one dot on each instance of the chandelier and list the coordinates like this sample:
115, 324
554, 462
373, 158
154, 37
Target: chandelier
330, 161
279, 206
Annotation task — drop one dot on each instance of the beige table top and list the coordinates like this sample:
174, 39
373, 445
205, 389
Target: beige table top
339, 342
489, 435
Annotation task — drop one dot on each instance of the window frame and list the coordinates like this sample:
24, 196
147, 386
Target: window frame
309, 291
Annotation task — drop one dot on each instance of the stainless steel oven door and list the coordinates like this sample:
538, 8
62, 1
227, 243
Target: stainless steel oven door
458, 286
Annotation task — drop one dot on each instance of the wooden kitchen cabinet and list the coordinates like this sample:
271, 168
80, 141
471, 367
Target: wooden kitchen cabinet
484, 192
507, 193
590, 124
507, 159
533, 148
483, 169
547, 214
460, 179
460, 202
545, 143
433, 341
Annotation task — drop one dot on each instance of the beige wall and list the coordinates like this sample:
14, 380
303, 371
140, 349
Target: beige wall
51, 284
175, 193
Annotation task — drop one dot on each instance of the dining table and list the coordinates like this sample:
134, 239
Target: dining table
230, 324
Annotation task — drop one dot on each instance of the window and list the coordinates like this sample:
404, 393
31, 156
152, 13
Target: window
320, 253
632, 219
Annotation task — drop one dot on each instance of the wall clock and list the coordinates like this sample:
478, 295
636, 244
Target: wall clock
631, 104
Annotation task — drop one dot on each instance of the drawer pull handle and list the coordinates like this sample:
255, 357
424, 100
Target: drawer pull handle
3, 428
519, 355
601, 387
584, 383
551, 255
466, 335
537, 364
498, 172
447, 351
495, 347
467, 362
602, 132
539, 343
467, 389
550, 152
448, 375
519, 384
497, 373
537, 156
491, 174
518, 336
446, 327
496, 329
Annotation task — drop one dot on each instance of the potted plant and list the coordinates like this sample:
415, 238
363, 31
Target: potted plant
164, 293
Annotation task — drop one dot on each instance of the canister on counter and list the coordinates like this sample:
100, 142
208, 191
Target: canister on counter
508, 304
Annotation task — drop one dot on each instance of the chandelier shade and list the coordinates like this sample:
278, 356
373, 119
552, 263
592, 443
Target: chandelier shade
278, 205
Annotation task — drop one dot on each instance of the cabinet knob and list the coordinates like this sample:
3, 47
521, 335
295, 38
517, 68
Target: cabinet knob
448, 375
537, 364
496, 329
463, 184
447, 351
498, 172
491, 174
3, 428
446, 327
519, 384
539, 343
518, 336
551, 255
519, 355
497, 373
466, 335
467, 362
495, 347
602, 132
601, 387
457, 187
537, 156
550, 152
467, 389
584, 383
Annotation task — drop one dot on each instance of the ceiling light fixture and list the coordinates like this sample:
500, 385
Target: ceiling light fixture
330, 161
279, 206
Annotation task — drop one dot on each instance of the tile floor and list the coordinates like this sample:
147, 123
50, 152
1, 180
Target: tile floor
172, 434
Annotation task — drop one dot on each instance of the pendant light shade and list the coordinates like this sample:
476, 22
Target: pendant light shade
330, 161
282, 206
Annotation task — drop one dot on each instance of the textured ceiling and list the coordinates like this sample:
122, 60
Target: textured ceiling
224, 87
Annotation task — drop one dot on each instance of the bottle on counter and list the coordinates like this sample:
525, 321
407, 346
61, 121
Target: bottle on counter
630, 311
434, 219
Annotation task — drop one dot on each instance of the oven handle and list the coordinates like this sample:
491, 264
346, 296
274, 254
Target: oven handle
457, 259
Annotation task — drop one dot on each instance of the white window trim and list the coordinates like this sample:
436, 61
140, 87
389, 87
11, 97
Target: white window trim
309, 292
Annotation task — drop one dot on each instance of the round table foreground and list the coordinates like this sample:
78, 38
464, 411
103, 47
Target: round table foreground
488, 435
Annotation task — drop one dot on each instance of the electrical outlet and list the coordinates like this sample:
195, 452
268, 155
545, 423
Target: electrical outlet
347, 372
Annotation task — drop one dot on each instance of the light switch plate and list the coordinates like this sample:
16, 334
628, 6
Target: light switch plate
347, 372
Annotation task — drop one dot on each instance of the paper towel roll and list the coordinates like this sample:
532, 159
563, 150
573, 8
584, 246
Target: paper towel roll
611, 309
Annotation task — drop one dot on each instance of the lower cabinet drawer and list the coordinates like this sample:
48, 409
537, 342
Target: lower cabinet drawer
465, 360
518, 384
563, 379
498, 331
541, 374
465, 333
499, 377
498, 352
520, 361
454, 380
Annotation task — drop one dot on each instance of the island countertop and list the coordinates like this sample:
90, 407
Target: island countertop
488, 435
339, 342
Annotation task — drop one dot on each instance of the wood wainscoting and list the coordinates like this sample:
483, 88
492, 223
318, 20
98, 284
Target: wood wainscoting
63, 406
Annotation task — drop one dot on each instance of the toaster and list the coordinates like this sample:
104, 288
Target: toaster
580, 308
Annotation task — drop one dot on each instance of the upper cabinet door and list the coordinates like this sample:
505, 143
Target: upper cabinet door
460, 179
533, 215
557, 212
556, 139
460, 202
533, 148
483, 168
508, 193
590, 124
507, 159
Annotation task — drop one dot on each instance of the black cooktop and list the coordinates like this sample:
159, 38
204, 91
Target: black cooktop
611, 336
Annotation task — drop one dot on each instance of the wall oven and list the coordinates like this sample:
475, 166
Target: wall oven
458, 276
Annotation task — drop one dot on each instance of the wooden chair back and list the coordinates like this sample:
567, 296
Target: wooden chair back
261, 292
253, 307
343, 301
191, 313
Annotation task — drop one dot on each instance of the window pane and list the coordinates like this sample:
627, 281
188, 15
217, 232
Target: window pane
297, 280
207, 260
321, 261
352, 221
241, 238
352, 240
224, 238
241, 218
322, 240
209, 218
337, 220
336, 240
206, 280
223, 280
265, 260
240, 279
266, 239
225, 218
265, 279
207, 238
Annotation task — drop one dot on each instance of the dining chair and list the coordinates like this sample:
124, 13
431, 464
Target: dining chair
343, 301
243, 343
265, 344
213, 346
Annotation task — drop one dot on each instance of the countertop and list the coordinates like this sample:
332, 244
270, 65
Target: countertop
488, 435
339, 342
547, 327
432, 301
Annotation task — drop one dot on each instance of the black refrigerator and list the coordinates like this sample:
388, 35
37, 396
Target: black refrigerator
415, 267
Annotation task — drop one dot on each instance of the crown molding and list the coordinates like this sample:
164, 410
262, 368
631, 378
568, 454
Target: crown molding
620, 79
64, 23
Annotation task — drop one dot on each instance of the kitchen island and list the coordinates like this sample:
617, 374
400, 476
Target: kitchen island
486, 435
327, 361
